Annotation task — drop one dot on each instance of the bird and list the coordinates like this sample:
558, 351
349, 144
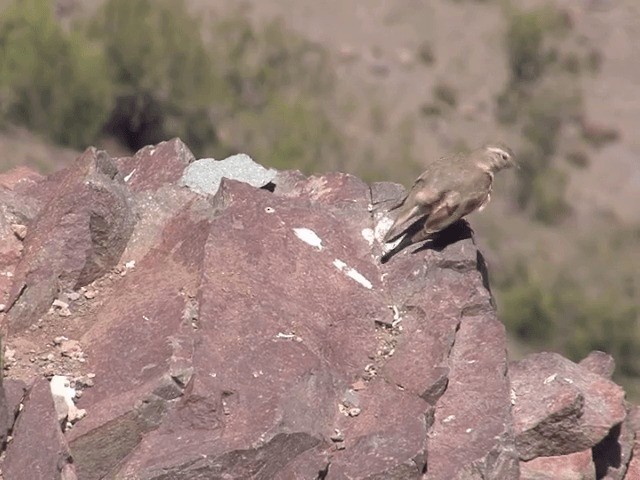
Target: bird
450, 188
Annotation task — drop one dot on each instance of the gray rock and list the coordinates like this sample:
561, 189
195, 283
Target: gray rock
204, 175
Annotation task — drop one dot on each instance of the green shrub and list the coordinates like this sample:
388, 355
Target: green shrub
531, 162
430, 109
560, 312
578, 158
524, 43
507, 106
571, 63
542, 126
446, 94
526, 34
288, 135
594, 60
426, 54
606, 322
597, 134
279, 86
162, 72
549, 200
51, 82
541, 186
259, 63
524, 305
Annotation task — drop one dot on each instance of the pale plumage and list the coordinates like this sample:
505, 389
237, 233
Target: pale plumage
449, 189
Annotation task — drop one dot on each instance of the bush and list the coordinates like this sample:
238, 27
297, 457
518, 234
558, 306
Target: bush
558, 311
549, 204
526, 34
578, 158
161, 70
51, 82
524, 44
543, 123
445, 94
526, 308
531, 162
260, 63
278, 85
425, 53
287, 135
607, 322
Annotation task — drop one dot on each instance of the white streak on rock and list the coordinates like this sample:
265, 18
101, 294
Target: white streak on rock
352, 273
128, 177
63, 395
369, 235
308, 236
382, 227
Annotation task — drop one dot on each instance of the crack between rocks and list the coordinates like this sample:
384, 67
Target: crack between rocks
16, 414
322, 474
448, 359
23, 289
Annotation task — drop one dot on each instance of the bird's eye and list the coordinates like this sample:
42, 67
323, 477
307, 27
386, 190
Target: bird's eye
505, 156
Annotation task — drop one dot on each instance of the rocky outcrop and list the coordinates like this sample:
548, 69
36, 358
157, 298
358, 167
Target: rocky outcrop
250, 330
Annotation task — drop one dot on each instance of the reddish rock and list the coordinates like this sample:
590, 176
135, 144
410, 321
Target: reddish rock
38, 449
472, 435
633, 422
560, 407
12, 393
600, 363
155, 165
77, 237
19, 179
575, 466
17, 209
15, 391
256, 334
612, 455
140, 348
380, 441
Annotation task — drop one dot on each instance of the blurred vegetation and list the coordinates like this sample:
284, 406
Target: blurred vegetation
279, 84
40, 65
445, 93
561, 308
540, 99
145, 70
161, 72
140, 71
590, 299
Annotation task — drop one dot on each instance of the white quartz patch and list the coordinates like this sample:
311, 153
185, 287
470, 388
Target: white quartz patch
352, 273
369, 235
63, 396
308, 236
382, 227
128, 177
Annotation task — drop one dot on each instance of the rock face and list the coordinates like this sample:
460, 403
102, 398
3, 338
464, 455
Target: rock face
254, 333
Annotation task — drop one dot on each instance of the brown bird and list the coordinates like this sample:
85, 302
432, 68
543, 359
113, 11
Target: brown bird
449, 189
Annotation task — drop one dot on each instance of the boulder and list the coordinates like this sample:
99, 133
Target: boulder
252, 326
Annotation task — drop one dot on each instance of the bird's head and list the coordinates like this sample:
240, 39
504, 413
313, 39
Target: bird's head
498, 157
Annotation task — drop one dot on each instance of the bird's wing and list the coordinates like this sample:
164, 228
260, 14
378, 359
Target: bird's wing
414, 206
471, 193
427, 191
